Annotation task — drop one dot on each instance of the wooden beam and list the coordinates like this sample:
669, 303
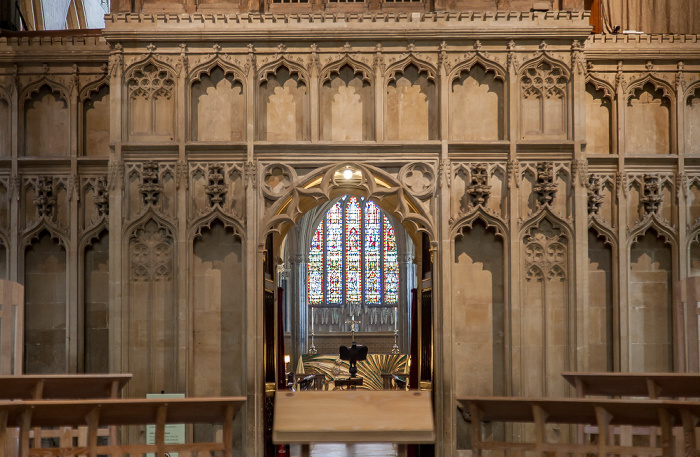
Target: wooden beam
540, 416
93, 422
603, 418
476, 414
161, 417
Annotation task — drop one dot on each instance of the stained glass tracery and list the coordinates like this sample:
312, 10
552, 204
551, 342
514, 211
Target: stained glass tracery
353, 256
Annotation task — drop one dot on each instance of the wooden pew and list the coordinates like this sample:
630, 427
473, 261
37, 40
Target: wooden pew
58, 387
353, 416
583, 411
651, 385
113, 412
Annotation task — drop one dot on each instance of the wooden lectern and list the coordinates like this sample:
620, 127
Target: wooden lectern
353, 416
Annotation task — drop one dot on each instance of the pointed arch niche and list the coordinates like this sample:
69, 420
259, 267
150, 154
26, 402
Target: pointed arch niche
301, 250
347, 105
692, 121
477, 105
478, 300
544, 104
411, 104
218, 107
651, 303
601, 306
283, 108
649, 112
96, 122
5, 125
96, 304
600, 114
45, 319
46, 111
151, 102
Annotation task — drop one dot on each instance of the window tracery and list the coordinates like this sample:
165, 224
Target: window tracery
353, 257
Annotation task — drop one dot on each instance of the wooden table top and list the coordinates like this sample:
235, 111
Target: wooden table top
63, 386
53, 413
672, 385
353, 416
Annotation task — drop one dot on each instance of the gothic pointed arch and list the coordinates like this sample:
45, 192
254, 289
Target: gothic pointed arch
545, 98
543, 57
150, 100
357, 66
546, 213
271, 69
149, 247
601, 85
653, 221
603, 230
205, 222
477, 58
93, 233
327, 182
92, 87
659, 84
201, 69
479, 213
400, 66
30, 89
42, 225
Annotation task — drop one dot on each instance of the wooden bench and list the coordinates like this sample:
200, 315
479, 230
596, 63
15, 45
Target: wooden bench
353, 416
583, 411
114, 412
650, 385
61, 387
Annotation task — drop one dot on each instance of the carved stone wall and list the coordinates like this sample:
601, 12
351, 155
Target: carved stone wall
555, 176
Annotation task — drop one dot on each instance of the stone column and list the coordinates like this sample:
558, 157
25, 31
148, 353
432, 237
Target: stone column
407, 277
299, 305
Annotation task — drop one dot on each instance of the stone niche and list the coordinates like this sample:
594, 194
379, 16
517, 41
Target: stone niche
45, 306
5, 128
283, 107
648, 114
598, 121
544, 108
152, 310
476, 106
543, 312
96, 123
692, 122
218, 108
151, 103
411, 106
347, 106
650, 309
600, 303
46, 127
96, 305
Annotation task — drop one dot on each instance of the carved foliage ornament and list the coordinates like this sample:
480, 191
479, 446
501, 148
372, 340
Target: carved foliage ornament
215, 188
150, 186
478, 189
45, 200
652, 197
102, 197
545, 187
595, 198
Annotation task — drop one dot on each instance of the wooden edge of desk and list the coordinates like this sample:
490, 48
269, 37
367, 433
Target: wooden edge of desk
352, 437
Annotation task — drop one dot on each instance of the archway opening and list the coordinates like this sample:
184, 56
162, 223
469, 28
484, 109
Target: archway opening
347, 263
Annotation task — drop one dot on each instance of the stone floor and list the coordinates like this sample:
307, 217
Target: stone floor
348, 450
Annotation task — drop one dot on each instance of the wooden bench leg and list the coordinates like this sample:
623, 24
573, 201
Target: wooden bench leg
306, 450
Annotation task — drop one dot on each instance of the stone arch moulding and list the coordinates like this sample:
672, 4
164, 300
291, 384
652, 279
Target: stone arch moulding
93, 233
321, 186
489, 65
33, 233
206, 221
142, 219
273, 67
36, 86
358, 67
689, 92
544, 57
602, 85
653, 221
602, 230
489, 220
144, 62
206, 67
659, 84
545, 212
423, 66
93, 87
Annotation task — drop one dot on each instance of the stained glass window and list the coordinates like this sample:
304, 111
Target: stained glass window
353, 256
